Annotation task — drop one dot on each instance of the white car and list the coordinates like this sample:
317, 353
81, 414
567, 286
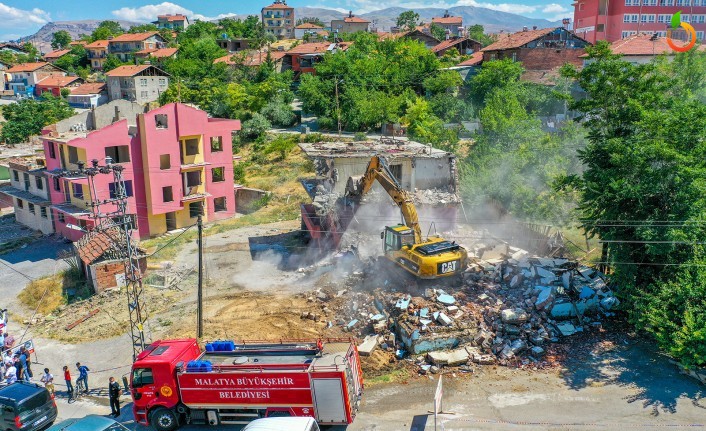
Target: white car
283, 424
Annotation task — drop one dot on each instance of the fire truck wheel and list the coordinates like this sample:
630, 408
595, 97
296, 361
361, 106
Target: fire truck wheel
164, 420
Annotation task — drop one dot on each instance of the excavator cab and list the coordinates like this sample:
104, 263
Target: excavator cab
396, 237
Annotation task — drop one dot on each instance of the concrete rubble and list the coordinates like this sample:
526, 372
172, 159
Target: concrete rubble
508, 310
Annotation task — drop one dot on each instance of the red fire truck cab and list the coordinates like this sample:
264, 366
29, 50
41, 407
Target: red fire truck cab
175, 382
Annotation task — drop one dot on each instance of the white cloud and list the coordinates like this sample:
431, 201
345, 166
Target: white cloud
13, 19
554, 8
549, 11
149, 12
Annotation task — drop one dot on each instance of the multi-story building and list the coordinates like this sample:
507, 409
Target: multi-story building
350, 24
172, 22
278, 19
307, 28
125, 45
51, 57
452, 24
30, 194
97, 53
141, 84
596, 20
54, 84
25, 76
88, 95
177, 164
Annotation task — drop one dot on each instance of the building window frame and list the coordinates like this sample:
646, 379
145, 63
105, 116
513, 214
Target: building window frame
218, 174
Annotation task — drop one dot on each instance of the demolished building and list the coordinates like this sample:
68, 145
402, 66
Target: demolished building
430, 174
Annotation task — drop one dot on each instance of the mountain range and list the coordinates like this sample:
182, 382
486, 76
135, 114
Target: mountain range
493, 21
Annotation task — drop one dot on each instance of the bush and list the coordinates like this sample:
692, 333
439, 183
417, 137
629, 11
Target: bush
360, 136
313, 137
239, 173
256, 126
235, 142
279, 113
281, 145
326, 123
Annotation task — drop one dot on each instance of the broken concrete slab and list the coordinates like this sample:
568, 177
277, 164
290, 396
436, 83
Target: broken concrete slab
566, 328
545, 298
446, 299
452, 358
565, 309
369, 344
445, 320
517, 315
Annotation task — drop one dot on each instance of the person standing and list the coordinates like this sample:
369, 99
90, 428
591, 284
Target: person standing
67, 377
48, 380
26, 373
114, 393
11, 374
18, 366
83, 376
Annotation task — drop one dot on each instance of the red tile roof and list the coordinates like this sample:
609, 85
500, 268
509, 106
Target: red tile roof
27, 67
171, 18
516, 40
278, 6
317, 47
134, 37
127, 71
642, 44
157, 53
446, 44
355, 19
88, 88
308, 25
56, 54
95, 244
58, 81
99, 44
475, 60
448, 20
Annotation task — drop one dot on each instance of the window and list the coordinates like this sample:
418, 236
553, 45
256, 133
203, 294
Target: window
664, 18
52, 150
193, 178
141, 377
191, 147
700, 35
699, 19
31, 207
57, 185
650, 2
15, 175
216, 144
119, 153
144, 94
647, 18
600, 28
683, 2
73, 155
40, 184
143, 82
78, 190
195, 209
219, 204
667, 2
167, 194
580, 6
43, 212
162, 81
113, 187
26, 180
217, 175
61, 218
165, 161
20, 203
160, 121
630, 17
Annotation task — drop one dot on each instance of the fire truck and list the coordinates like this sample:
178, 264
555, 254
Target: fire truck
175, 382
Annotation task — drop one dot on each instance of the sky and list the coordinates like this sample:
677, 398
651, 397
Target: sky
24, 17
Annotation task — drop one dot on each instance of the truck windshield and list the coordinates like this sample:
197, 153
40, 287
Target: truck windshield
141, 377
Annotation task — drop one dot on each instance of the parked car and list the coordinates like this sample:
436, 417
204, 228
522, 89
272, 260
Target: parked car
26, 407
89, 423
283, 424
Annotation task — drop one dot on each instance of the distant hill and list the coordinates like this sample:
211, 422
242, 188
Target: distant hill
42, 38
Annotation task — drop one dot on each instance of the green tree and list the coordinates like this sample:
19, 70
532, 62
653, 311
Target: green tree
60, 39
408, 20
107, 29
142, 28
27, 117
311, 20
494, 74
256, 126
477, 33
438, 31
427, 128
111, 62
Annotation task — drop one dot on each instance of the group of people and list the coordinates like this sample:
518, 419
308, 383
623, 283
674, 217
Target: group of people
18, 366
114, 390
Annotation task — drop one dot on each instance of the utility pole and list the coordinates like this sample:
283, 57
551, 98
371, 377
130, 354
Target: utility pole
199, 309
338, 111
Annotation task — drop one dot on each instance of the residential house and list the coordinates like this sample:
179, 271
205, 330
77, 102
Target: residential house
97, 53
254, 59
642, 48
126, 45
453, 25
596, 20
13, 48
177, 164
349, 24
278, 19
142, 84
54, 84
463, 45
157, 55
172, 22
307, 28
468, 68
77, 43
235, 45
421, 34
25, 76
302, 58
89, 95
29, 191
544, 49
55, 55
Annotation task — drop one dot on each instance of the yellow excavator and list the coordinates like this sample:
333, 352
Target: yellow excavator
430, 259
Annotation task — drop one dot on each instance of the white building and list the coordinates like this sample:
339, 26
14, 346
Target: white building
29, 190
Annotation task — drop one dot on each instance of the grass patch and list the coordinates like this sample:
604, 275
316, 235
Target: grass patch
398, 375
33, 296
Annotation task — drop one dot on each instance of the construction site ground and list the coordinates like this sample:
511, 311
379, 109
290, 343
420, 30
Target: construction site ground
605, 380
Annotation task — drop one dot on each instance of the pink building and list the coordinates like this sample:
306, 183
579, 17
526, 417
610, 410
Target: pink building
177, 163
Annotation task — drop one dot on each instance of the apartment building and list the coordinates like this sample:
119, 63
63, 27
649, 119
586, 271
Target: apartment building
172, 22
177, 163
350, 24
141, 84
29, 192
25, 76
596, 20
97, 53
125, 45
278, 19
451, 24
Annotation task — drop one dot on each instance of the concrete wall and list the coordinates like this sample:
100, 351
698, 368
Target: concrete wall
245, 196
34, 176
348, 27
34, 221
132, 88
109, 274
102, 116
